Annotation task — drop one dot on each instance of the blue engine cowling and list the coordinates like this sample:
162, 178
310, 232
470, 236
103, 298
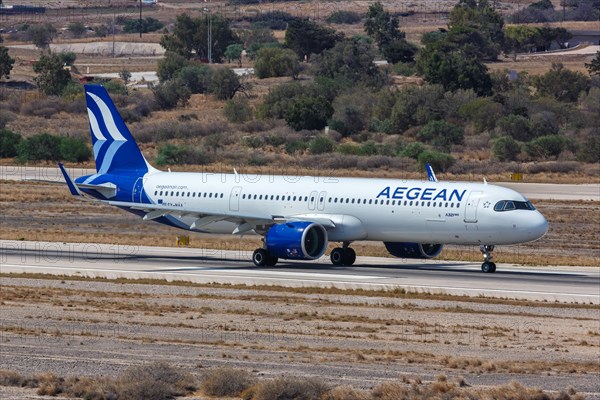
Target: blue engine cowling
413, 250
300, 240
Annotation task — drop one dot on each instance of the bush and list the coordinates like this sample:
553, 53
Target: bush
273, 61
290, 388
546, 146
344, 17
196, 77
168, 94
441, 134
9, 143
590, 151
39, 147
238, 110
308, 113
146, 25
561, 83
320, 145
157, 381
543, 124
225, 382
515, 126
74, 149
77, 28
169, 65
417, 106
413, 150
171, 154
68, 57
483, 113
115, 86
506, 149
224, 84
296, 146
439, 161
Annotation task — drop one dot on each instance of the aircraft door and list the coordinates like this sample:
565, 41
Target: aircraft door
471, 208
321, 201
234, 198
138, 189
312, 200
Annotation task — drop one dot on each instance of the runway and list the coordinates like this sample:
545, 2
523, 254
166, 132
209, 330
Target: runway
537, 191
564, 284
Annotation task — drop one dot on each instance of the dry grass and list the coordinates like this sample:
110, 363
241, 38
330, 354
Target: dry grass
221, 382
282, 388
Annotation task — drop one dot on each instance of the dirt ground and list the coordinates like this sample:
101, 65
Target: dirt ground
98, 328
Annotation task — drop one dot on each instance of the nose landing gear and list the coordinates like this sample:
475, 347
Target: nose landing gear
488, 266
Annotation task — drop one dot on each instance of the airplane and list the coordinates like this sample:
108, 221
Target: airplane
297, 216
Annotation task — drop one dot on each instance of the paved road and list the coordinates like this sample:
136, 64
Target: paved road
206, 266
538, 191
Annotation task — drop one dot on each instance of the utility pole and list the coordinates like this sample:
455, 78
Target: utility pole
140, 19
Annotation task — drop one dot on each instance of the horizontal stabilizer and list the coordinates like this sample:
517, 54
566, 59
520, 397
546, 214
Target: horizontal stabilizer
108, 190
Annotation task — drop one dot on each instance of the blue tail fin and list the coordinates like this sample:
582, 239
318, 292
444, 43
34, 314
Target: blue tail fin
115, 149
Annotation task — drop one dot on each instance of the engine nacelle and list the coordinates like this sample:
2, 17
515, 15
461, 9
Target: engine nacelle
299, 240
413, 250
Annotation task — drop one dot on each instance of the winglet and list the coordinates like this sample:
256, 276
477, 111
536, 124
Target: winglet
430, 174
72, 187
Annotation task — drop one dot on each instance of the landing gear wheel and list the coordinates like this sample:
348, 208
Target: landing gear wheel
260, 257
350, 256
488, 267
272, 261
337, 256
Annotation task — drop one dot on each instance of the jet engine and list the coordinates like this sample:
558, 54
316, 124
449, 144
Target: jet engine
413, 250
300, 240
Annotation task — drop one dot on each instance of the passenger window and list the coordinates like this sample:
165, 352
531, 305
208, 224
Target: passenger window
210, 195
376, 201
177, 194
312, 199
370, 201
393, 202
352, 201
294, 198
155, 192
411, 203
387, 203
428, 204
272, 197
305, 198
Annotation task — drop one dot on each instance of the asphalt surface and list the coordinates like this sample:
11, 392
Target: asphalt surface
538, 191
567, 284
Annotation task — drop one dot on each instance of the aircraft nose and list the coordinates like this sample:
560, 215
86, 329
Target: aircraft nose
538, 226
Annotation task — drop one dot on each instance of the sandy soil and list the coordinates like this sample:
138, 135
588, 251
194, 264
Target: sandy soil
101, 328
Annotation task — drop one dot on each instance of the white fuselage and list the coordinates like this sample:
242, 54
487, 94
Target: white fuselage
390, 210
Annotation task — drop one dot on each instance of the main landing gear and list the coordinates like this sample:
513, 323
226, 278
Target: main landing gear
343, 255
262, 258
488, 266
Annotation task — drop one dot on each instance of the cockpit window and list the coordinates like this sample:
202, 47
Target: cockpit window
509, 205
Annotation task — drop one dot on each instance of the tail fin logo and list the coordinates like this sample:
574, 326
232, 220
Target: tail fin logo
114, 147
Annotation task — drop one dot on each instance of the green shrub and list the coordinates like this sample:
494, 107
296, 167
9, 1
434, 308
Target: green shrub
348, 149
146, 25
320, 145
404, 69
590, 151
515, 126
74, 149
441, 134
273, 61
170, 93
68, 57
413, 150
483, 113
306, 112
439, 161
344, 17
169, 65
171, 154
543, 124
197, 78
9, 143
39, 147
238, 110
506, 149
115, 86
561, 83
546, 146
224, 84
296, 146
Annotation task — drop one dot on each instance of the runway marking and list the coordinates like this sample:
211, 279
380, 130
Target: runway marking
370, 284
